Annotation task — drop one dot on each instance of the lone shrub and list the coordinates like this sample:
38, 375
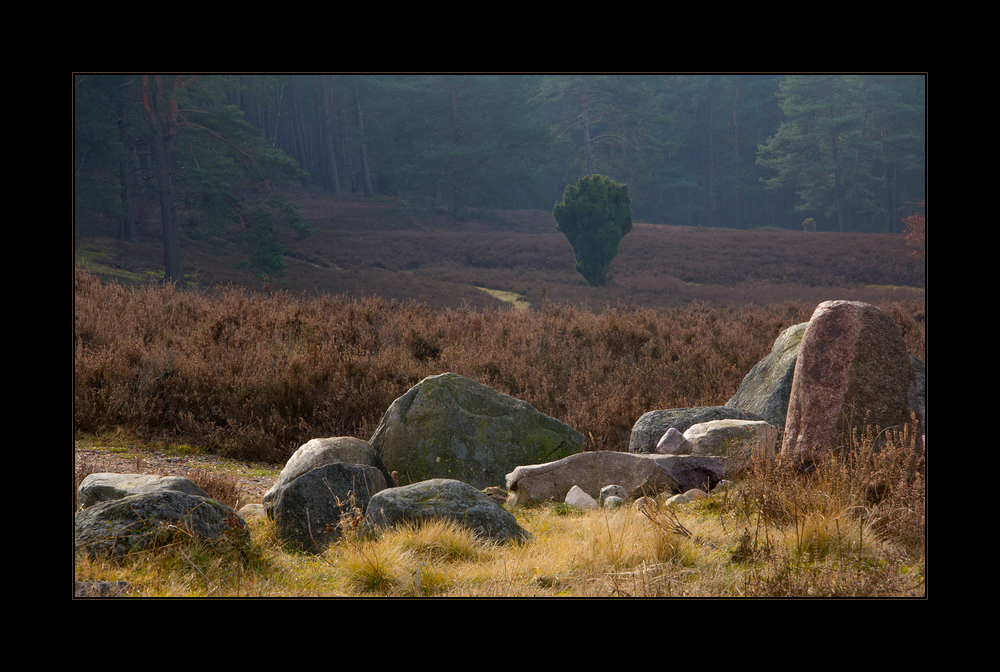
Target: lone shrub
594, 215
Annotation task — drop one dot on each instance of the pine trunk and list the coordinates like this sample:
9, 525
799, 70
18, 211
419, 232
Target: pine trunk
369, 190
326, 90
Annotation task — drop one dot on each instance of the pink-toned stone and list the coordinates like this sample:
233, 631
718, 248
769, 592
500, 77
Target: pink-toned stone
852, 371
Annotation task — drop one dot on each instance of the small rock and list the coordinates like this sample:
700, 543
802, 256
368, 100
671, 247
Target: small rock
612, 491
648, 503
578, 498
673, 442
613, 502
101, 588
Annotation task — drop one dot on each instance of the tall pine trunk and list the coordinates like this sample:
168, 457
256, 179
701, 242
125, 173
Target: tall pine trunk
127, 231
369, 190
455, 164
325, 86
584, 104
161, 112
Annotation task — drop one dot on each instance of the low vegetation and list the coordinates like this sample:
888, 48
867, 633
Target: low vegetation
853, 528
252, 371
253, 376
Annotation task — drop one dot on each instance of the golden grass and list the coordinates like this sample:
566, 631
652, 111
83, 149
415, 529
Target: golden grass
773, 533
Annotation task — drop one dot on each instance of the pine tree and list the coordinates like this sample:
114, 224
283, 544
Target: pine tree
594, 215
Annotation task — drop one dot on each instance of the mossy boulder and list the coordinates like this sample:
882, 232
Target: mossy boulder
137, 522
766, 389
442, 498
450, 426
321, 452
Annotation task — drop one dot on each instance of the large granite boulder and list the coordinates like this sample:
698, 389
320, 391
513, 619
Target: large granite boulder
307, 512
852, 371
591, 471
320, 452
442, 498
104, 487
766, 389
650, 428
450, 426
136, 522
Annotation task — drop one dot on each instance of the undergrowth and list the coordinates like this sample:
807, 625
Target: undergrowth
253, 376
854, 527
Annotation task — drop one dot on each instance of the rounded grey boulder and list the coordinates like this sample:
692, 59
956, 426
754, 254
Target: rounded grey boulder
442, 498
136, 522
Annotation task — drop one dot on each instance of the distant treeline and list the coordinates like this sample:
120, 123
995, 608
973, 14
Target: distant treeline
737, 151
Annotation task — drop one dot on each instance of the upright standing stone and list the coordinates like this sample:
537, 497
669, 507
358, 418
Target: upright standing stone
852, 371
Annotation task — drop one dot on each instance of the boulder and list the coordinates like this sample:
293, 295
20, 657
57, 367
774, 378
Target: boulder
612, 491
685, 497
307, 511
613, 502
320, 452
579, 499
101, 588
650, 428
104, 487
450, 426
674, 443
732, 437
591, 471
442, 498
852, 371
740, 441
766, 389
136, 522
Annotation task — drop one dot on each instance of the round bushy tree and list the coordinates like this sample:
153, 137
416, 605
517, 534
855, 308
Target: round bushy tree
595, 214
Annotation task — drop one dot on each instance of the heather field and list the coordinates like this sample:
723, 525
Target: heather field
384, 294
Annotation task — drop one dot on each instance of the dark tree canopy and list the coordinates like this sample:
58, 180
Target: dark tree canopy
595, 214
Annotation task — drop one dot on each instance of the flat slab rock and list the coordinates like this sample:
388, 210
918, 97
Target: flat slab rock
591, 471
651, 426
105, 487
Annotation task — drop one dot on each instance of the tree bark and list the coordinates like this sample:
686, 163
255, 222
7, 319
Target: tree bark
128, 230
369, 190
711, 153
740, 222
162, 114
584, 103
325, 86
455, 167
837, 192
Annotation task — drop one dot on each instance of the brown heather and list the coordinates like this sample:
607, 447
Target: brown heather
254, 375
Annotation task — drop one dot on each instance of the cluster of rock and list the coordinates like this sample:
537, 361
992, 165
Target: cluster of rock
447, 447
